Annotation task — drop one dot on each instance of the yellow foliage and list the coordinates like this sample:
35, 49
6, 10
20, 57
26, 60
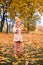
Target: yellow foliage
24, 7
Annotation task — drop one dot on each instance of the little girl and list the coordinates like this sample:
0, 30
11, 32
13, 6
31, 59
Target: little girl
18, 36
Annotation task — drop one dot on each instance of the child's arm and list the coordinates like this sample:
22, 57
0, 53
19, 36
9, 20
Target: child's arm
15, 29
23, 28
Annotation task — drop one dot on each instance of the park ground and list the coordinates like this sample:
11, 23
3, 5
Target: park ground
33, 49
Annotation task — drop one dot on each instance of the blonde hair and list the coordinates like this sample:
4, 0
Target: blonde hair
17, 19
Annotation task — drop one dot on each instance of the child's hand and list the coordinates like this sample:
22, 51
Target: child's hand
16, 31
24, 30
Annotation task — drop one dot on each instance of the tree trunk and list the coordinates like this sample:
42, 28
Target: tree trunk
28, 27
7, 28
2, 22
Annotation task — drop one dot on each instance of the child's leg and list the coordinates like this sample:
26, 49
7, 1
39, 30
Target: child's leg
21, 48
15, 48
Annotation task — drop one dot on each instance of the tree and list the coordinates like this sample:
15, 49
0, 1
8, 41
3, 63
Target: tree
6, 4
2, 22
2, 16
25, 8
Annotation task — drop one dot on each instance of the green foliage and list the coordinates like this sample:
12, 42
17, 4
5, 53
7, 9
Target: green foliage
31, 28
30, 24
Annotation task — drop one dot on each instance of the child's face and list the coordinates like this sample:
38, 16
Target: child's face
17, 21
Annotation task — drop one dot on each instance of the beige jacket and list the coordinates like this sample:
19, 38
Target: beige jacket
18, 36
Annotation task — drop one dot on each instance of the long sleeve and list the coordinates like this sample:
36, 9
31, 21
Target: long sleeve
14, 29
18, 36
